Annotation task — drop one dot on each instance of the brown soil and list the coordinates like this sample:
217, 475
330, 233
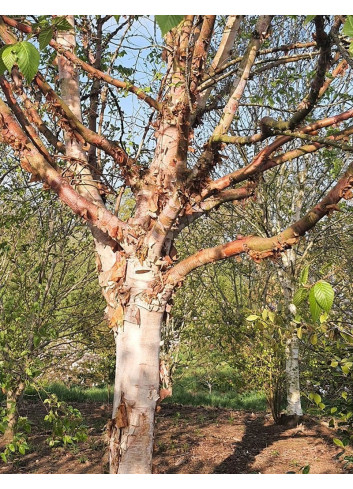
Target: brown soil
193, 440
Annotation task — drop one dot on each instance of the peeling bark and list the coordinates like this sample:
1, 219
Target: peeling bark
136, 390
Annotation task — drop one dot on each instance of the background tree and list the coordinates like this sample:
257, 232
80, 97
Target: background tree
49, 304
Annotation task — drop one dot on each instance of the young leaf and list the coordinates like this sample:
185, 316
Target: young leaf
317, 399
252, 317
315, 309
304, 275
313, 339
2, 71
62, 24
348, 26
36, 340
22, 449
9, 56
309, 18
12, 447
299, 296
345, 369
168, 22
324, 295
338, 442
350, 49
28, 60
323, 317
45, 37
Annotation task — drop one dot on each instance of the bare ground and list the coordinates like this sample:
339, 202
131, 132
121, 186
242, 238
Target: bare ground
194, 440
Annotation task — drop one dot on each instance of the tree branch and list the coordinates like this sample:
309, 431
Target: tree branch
259, 248
34, 162
87, 67
257, 164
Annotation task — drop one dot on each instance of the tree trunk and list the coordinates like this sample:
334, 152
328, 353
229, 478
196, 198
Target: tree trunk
286, 277
292, 373
136, 388
12, 399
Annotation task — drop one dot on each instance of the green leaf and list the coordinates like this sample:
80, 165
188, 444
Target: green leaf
3, 456
338, 442
12, 447
252, 317
324, 295
62, 24
271, 316
333, 410
334, 363
350, 49
323, 317
168, 22
304, 275
22, 449
348, 26
313, 339
306, 469
28, 60
264, 314
117, 18
45, 37
300, 333
317, 398
36, 340
321, 405
2, 71
345, 369
9, 56
315, 309
309, 18
299, 296
344, 395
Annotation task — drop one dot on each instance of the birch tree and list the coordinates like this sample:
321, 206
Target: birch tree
196, 109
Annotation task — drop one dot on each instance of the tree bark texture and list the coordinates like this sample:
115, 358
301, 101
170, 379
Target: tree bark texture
13, 396
136, 390
292, 373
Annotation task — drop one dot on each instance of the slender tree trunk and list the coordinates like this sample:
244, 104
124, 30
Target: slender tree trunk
292, 373
136, 388
13, 397
292, 347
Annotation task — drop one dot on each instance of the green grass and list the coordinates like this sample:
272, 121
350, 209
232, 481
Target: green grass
182, 394
254, 401
72, 394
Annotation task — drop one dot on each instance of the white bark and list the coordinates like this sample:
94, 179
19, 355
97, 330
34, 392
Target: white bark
137, 378
292, 346
292, 374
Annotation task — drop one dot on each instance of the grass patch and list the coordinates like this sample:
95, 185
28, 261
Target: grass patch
182, 394
254, 401
72, 394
